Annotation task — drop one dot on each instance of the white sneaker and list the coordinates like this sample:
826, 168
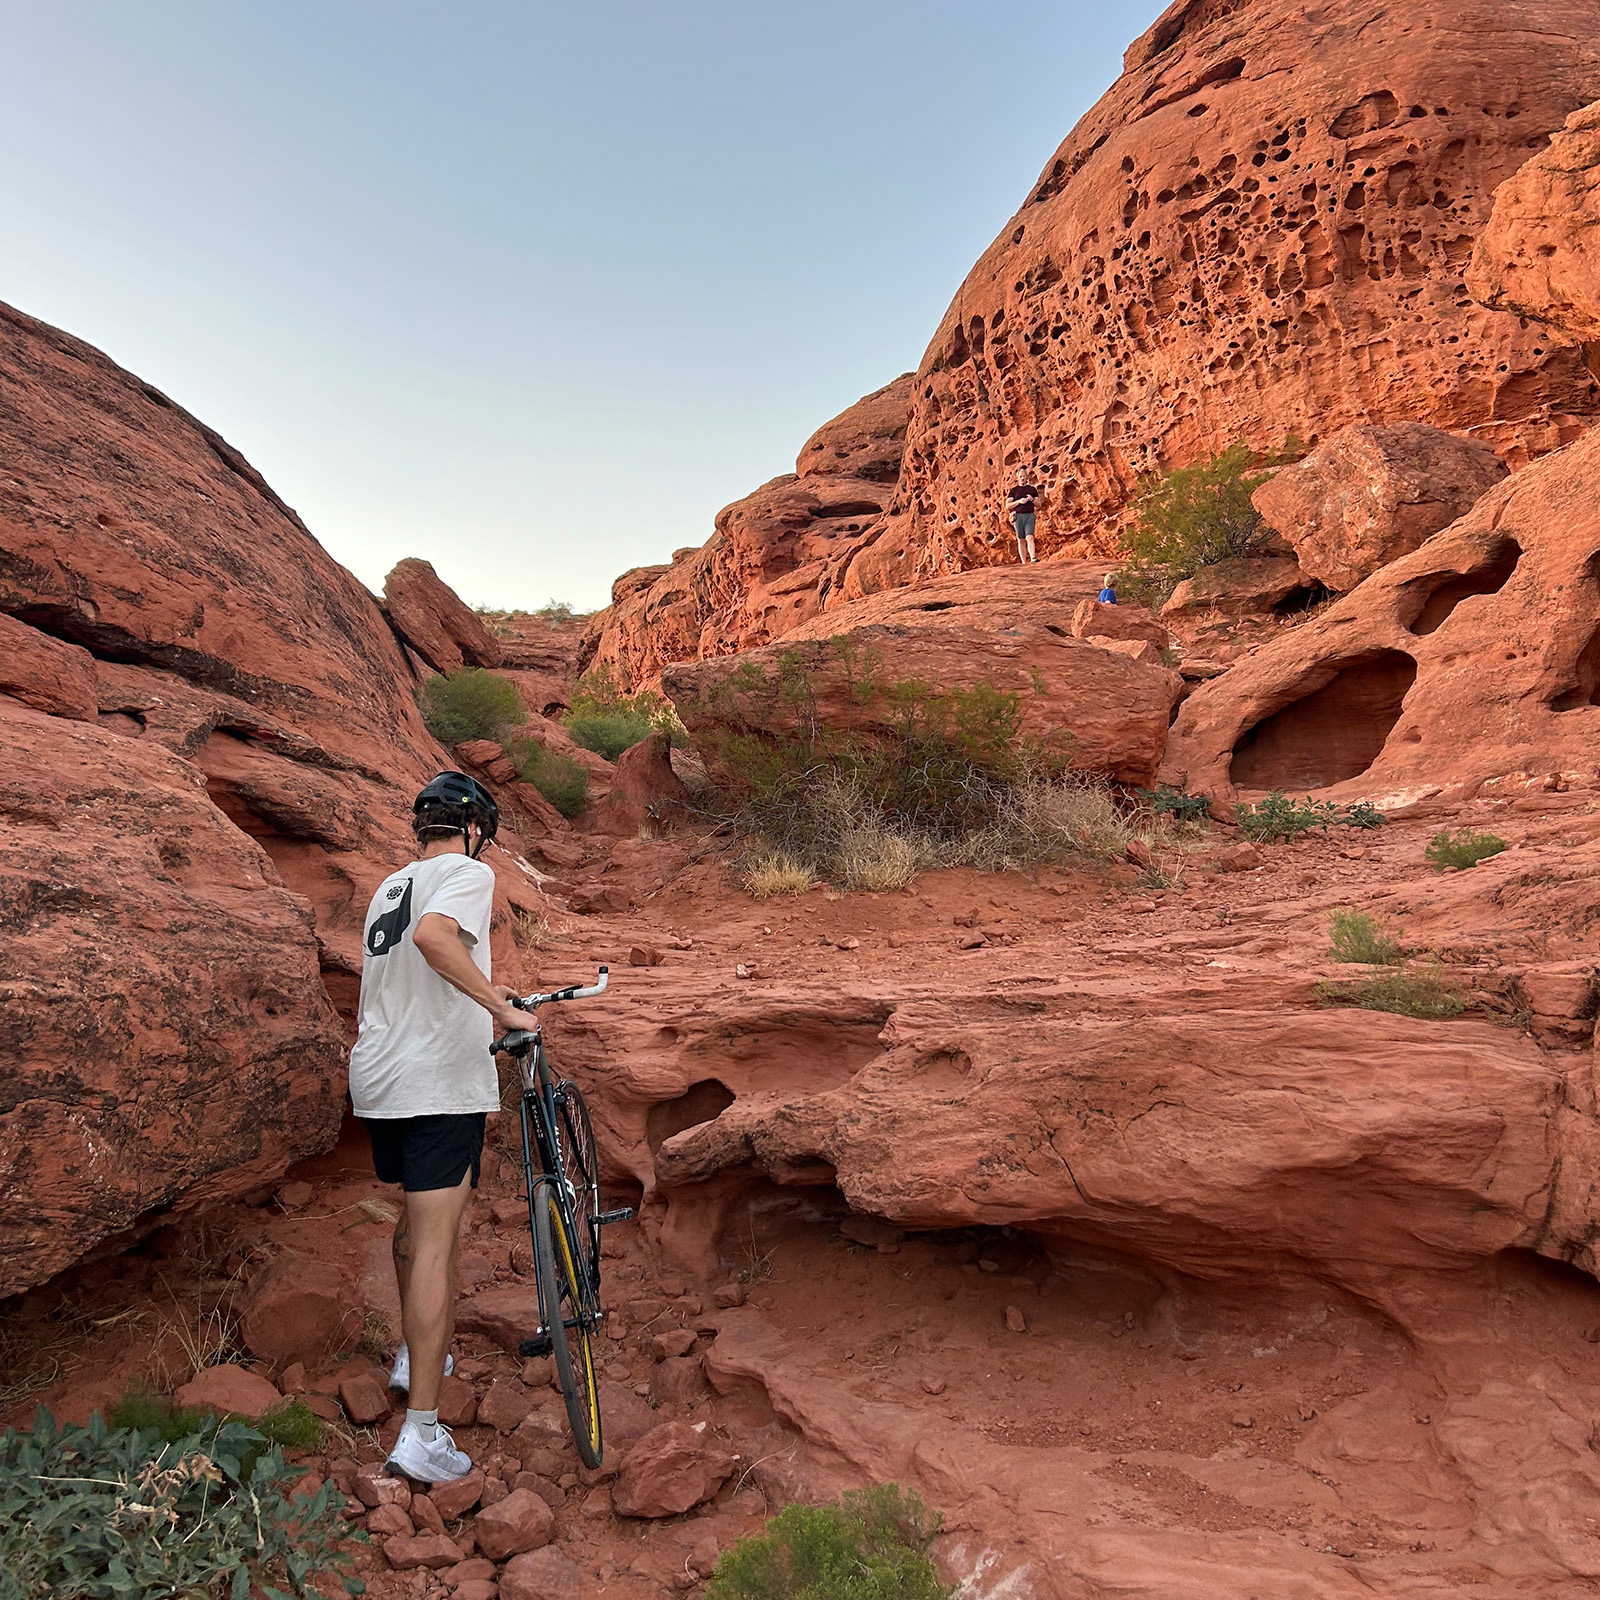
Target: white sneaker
400, 1378
439, 1462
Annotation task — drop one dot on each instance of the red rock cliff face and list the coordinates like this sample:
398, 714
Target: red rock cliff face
208, 747
1262, 227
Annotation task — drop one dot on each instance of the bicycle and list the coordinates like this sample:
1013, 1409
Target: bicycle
564, 1217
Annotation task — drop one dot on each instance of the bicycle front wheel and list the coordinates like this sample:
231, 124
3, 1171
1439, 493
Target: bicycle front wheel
561, 1305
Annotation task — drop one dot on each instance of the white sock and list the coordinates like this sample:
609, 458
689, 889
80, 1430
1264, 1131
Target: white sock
425, 1422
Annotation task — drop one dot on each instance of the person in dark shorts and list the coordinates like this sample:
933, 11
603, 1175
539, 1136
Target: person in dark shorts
1022, 500
422, 1081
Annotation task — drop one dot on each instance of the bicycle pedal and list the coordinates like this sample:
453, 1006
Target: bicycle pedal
620, 1214
538, 1345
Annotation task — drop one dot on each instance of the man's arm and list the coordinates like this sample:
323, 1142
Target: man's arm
438, 937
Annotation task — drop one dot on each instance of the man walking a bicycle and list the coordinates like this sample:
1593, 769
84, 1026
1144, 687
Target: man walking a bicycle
422, 1081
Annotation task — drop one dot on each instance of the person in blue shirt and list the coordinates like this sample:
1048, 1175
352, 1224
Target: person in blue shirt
1108, 595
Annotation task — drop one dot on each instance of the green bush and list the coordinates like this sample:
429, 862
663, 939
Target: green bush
1279, 818
873, 1545
1166, 801
1408, 994
606, 719
471, 704
1356, 937
110, 1513
1463, 849
1196, 516
560, 779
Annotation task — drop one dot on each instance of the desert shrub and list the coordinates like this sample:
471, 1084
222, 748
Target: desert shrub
1357, 937
471, 704
771, 872
557, 612
561, 780
1463, 849
1194, 517
1408, 994
1166, 801
606, 719
1363, 814
877, 859
291, 1424
872, 1545
1278, 817
104, 1513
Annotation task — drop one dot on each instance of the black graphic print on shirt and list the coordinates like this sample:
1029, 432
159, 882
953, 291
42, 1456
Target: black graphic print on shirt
388, 930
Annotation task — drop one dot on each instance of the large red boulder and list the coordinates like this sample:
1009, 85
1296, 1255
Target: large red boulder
646, 795
1539, 257
1474, 657
229, 1391
1370, 494
428, 614
1005, 628
672, 1469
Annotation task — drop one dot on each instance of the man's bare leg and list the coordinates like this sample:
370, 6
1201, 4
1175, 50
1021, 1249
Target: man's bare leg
425, 1261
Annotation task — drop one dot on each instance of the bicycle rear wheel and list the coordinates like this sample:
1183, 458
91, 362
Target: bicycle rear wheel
580, 1165
562, 1306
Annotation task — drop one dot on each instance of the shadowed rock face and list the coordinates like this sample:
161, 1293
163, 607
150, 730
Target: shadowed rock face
211, 745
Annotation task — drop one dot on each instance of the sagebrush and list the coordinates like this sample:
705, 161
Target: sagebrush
1463, 849
1425, 995
1358, 938
874, 1544
471, 704
104, 1513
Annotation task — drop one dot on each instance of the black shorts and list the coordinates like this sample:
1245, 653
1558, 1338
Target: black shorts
426, 1152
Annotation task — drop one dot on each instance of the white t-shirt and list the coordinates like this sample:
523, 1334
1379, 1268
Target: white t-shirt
423, 1046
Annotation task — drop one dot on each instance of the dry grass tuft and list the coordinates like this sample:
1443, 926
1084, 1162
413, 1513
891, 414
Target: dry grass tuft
773, 872
878, 859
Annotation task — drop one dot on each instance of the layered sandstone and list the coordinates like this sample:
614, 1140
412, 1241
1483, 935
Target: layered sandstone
432, 619
1475, 657
1539, 257
776, 559
1262, 228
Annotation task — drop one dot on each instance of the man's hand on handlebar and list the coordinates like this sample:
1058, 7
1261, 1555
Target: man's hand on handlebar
507, 1018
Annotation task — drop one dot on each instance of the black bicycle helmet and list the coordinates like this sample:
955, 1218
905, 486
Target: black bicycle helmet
462, 801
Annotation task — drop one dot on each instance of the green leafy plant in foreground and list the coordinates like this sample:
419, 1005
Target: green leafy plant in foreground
872, 1545
560, 779
1408, 994
471, 704
1166, 801
1463, 849
1356, 937
109, 1513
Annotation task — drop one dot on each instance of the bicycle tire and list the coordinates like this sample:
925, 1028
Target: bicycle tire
559, 1295
580, 1163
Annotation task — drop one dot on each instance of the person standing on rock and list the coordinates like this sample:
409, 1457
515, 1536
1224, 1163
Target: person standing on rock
1022, 500
422, 1081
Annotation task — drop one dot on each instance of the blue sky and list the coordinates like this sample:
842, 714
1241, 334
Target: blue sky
528, 290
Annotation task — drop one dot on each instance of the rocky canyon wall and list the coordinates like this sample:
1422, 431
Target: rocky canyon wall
1262, 228
211, 742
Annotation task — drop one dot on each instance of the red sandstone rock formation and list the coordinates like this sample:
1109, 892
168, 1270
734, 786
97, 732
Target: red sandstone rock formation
1107, 712
429, 616
1475, 657
1261, 228
1369, 494
1539, 257
776, 558
212, 741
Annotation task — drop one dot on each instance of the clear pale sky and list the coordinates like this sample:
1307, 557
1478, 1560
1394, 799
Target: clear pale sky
528, 290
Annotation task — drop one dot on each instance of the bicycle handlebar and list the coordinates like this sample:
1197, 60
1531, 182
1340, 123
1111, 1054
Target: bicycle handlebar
532, 1002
